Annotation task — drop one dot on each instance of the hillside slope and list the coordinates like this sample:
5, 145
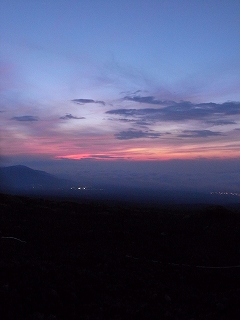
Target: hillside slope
99, 260
21, 178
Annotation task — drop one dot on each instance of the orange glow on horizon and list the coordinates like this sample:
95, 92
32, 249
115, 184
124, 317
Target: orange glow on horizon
149, 156
106, 149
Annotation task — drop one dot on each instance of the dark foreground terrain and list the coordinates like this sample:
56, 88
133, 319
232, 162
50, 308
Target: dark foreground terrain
98, 260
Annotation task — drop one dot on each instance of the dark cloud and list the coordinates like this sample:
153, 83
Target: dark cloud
129, 93
102, 156
143, 123
147, 99
84, 101
125, 120
220, 122
180, 111
135, 134
69, 116
25, 118
198, 134
137, 122
124, 112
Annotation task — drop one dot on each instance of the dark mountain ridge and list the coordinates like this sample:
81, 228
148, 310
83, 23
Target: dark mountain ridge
21, 178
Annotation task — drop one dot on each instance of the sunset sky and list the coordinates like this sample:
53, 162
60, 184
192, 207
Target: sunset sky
119, 80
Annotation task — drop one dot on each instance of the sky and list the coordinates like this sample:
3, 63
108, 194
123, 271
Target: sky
125, 81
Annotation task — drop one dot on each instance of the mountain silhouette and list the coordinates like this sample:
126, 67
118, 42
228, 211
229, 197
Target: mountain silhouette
22, 178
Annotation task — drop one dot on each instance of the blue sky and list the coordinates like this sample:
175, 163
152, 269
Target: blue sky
120, 80
186, 49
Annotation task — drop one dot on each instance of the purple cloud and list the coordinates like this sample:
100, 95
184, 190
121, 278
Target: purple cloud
147, 99
69, 116
85, 101
198, 133
179, 111
136, 134
25, 118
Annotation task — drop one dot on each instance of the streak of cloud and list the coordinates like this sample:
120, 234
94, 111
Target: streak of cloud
25, 118
199, 134
86, 101
180, 111
69, 116
136, 134
220, 122
147, 99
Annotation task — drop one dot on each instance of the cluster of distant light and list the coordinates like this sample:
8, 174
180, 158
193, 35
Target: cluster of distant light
226, 193
84, 188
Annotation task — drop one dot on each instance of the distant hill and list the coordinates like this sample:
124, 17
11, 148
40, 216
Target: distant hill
24, 179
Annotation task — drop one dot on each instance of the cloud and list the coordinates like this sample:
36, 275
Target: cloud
221, 122
131, 93
147, 99
84, 101
125, 120
143, 123
179, 111
25, 118
69, 116
124, 112
103, 156
136, 134
198, 133
133, 121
